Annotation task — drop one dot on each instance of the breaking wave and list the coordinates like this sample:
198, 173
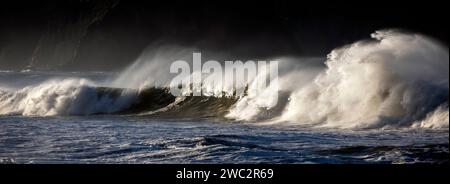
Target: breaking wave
83, 97
63, 97
394, 80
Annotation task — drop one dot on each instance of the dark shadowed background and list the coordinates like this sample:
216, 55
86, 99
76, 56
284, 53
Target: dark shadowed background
111, 34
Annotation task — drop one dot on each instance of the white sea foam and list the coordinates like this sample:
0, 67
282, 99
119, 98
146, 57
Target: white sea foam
62, 97
395, 80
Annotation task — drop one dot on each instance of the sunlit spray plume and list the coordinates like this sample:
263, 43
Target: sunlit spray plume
262, 104
232, 78
398, 79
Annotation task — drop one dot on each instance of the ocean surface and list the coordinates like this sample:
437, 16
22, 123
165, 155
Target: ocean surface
136, 140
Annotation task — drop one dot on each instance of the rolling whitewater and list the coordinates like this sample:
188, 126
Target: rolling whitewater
381, 100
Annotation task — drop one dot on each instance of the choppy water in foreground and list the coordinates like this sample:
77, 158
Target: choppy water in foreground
127, 139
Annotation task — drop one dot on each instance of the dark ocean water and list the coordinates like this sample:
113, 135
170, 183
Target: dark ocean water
131, 139
202, 138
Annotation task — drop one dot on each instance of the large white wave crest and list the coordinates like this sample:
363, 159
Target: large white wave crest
396, 80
